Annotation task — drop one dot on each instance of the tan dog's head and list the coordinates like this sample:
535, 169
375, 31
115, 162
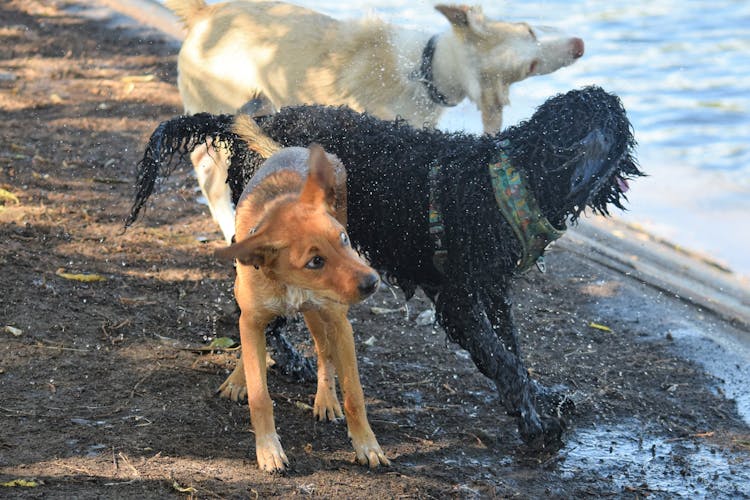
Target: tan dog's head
299, 242
503, 53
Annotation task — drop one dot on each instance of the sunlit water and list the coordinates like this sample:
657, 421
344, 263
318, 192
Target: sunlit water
682, 70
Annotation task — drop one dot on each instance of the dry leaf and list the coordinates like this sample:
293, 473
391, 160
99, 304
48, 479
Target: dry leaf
137, 301
137, 78
8, 196
600, 327
176, 486
303, 406
16, 332
84, 278
23, 483
223, 343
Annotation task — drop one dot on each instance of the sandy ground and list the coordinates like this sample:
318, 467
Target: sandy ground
108, 388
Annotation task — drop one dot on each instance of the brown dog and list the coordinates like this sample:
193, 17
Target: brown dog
295, 255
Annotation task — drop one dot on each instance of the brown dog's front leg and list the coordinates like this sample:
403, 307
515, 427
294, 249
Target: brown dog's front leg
268, 450
327, 406
334, 340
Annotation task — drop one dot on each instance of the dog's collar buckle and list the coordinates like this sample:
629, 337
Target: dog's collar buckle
521, 210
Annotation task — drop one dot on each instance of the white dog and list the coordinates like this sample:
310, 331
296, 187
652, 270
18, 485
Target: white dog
239, 50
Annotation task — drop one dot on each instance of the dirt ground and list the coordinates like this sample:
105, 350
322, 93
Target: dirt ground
105, 391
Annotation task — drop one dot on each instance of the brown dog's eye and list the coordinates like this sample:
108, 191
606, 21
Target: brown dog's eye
344, 239
316, 262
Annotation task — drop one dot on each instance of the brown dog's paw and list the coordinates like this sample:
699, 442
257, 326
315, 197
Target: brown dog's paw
234, 386
368, 452
270, 454
327, 407
233, 391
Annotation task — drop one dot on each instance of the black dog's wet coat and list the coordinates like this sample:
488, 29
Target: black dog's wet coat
570, 153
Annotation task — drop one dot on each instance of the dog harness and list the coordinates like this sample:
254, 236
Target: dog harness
518, 207
424, 75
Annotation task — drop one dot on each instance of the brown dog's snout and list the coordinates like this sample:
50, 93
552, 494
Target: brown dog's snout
368, 284
577, 47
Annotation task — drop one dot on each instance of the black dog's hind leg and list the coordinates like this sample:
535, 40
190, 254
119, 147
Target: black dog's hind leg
465, 320
289, 361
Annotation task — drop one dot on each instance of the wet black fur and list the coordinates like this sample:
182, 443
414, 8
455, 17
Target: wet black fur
570, 152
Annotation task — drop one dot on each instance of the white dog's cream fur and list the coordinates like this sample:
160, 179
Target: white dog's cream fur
236, 51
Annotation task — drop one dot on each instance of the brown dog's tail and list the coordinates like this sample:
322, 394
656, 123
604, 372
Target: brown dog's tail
257, 140
186, 10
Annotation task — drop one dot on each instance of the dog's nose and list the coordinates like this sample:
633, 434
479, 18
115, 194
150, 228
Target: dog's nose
577, 47
368, 285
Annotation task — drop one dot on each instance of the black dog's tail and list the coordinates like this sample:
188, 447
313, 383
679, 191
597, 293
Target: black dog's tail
180, 136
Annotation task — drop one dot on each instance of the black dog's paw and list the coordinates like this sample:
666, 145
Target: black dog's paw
553, 433
543, 434
556, 401
543, 431
289, 362
297, 369
293, 366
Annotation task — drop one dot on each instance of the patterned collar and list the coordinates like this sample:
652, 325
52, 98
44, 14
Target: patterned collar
517, 205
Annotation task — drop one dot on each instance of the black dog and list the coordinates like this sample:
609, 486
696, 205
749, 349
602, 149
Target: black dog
574, 152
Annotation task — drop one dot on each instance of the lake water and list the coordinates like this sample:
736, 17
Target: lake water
682, 69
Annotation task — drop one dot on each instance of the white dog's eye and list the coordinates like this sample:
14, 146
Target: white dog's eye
316, 262
344, 239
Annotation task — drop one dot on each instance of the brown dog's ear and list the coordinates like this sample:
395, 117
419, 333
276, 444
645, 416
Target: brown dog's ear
464, 17
252, 251
320, 187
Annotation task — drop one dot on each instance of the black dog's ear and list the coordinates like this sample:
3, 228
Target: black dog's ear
592, 158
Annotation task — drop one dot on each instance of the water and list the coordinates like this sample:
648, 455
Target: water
633, 456
723, 355
681, 69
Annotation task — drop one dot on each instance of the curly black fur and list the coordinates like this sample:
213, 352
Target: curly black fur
571, 153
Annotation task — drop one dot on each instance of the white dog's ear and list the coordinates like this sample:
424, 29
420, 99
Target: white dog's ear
463, 17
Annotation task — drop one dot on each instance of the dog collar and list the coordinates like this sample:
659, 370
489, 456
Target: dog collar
521, 210
424, 75
518, 207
